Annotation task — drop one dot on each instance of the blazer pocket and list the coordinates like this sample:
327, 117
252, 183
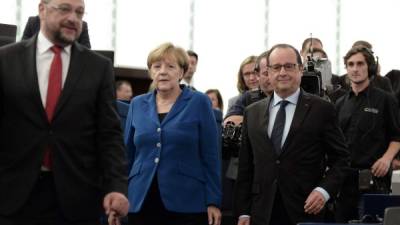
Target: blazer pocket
135, 170
192, 172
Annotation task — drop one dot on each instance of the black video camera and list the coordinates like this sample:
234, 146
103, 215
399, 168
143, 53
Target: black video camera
232, 138
311, 80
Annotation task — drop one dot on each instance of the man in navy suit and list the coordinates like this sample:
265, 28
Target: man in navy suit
62, 157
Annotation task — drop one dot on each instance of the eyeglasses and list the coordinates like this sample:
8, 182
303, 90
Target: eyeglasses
67, 9
289, 67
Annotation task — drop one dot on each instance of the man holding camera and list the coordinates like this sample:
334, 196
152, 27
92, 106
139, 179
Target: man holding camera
369, 118
288, 141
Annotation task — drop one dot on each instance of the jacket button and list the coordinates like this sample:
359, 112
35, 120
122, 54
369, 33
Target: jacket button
278, 162
158, 145
156, 160
158, 130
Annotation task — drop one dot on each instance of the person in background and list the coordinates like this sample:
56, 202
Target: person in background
32, 27
235, 112
308, 46
369, 118
124, 90
247, 78
124, 95
188, 76
376, 79
289, 140
171, 137
62, 158
216, 99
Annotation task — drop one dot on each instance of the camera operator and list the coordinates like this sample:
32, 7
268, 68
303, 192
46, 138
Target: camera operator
317, 76
369, 118
378, 81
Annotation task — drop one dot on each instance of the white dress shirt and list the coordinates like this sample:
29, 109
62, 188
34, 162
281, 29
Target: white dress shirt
44, 57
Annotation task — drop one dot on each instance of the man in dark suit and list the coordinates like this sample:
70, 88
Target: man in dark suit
62, 156
286, 150
32, 27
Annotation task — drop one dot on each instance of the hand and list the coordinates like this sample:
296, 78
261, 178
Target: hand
214, 215
315, 203
381, 167
113, 219
116, 204
244, 221
396, 164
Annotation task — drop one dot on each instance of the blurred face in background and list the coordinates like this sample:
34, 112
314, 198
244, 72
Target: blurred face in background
192, 68
214, 100
61, 20
250, 77
166, 73
124, 92
265, 84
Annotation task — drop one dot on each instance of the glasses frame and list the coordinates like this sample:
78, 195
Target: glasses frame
289, 67
65, 9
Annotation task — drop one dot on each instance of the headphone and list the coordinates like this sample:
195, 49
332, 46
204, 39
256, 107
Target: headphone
371, 62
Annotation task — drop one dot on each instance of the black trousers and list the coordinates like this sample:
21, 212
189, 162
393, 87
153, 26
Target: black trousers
153, 212
279, 215
42, 207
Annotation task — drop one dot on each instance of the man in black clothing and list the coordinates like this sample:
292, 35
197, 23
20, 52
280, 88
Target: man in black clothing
369, 118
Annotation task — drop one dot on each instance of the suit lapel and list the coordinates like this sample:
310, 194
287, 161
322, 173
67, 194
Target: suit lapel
302, 107
264, 120
76, 65
179, 104
150, 107
30, 74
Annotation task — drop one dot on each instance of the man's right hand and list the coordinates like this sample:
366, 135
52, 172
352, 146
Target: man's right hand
244, 221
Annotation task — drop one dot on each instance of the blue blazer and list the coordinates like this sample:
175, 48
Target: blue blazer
181, 153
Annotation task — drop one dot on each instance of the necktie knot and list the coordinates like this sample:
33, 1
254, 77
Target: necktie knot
56, 49
283, 103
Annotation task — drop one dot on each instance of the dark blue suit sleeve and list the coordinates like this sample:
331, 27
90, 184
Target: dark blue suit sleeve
128, 137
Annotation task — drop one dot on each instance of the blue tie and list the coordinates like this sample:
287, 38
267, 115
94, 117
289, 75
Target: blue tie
279, 125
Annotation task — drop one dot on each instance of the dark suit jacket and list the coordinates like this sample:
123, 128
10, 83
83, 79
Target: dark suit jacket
85, 134
32, 27
314, 141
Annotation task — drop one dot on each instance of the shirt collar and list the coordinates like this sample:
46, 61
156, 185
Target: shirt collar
361, 93
293, 98
44, 45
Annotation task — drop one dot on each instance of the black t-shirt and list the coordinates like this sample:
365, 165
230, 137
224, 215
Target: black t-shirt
370, 121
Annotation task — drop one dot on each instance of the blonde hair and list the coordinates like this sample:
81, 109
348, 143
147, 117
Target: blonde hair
241, 85
168, 49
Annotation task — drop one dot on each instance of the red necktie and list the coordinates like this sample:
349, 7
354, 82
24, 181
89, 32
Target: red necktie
53, 92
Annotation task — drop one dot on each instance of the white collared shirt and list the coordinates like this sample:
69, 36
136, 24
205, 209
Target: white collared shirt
289, 109
44, 57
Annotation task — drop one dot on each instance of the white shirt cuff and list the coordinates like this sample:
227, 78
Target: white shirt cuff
323, 192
